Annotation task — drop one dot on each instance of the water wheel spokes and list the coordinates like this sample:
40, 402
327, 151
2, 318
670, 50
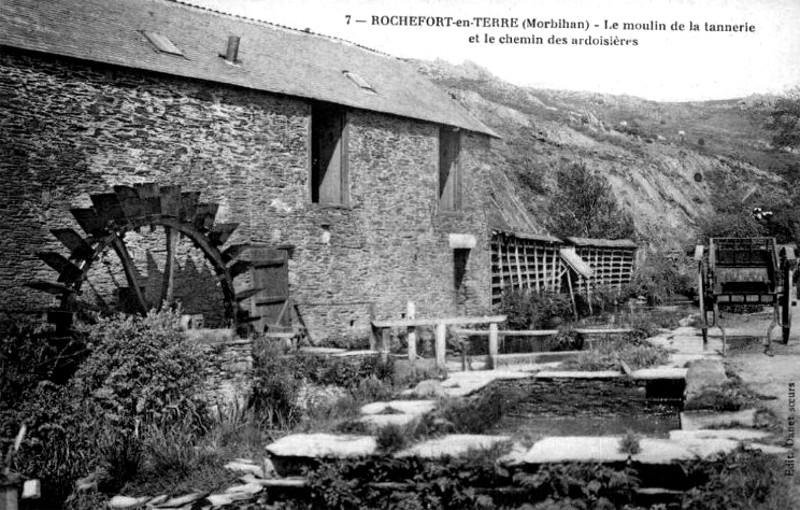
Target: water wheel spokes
127, 209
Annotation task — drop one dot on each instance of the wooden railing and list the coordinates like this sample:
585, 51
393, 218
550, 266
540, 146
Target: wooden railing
381, 331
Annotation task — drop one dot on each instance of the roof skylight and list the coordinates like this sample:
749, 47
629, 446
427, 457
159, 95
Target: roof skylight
358, 80
162, 43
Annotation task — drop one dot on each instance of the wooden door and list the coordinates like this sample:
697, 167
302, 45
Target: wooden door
270, 273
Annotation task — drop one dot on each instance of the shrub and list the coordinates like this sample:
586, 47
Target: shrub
535, 310
141, 369
660, 277
608, 355
29, 353
391, 438
276, 385
629, 443
742, 479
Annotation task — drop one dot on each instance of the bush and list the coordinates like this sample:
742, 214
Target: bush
742, 479
281, 379
139, 370
660, 277
584, 206
535, 310
142, 369
29, 353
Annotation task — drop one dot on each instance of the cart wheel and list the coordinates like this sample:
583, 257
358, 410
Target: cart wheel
786, 304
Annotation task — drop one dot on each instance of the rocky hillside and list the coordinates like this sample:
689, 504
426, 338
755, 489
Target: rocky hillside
664, 160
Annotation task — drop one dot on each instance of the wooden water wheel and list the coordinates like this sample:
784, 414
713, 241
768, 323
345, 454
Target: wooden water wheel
126, 210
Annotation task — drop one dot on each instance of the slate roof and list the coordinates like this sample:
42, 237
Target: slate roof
272, 58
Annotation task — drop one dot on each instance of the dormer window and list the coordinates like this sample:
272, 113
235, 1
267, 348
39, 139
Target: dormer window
162, 43
358, 80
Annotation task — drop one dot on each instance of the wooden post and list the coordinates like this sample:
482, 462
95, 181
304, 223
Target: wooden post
571, 293
441, 344
493, 337
411, 311
374, 337
386, 340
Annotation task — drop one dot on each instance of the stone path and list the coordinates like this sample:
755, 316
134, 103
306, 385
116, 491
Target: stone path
699, 436
702, 433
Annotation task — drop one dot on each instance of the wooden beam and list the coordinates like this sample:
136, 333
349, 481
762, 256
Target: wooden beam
168, 282
130, 271
508, 332
448, 321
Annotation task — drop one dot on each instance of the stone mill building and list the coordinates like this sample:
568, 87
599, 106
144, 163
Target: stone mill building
367, 180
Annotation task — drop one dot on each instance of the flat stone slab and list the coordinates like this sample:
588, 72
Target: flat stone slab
605, 449
694, 420
376, 421
657, 373
322, 351
578, 374
737, 434
575, 449
703, 374
323, 445
451, 446
413, 407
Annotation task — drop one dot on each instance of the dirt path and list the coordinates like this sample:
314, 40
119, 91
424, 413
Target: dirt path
768, 376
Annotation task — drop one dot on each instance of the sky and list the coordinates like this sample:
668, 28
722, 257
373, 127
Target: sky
663, 65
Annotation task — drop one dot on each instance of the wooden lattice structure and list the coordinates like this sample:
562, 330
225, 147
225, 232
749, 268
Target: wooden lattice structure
612, 261
525, 261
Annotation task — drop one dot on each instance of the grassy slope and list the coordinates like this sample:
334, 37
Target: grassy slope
664, 179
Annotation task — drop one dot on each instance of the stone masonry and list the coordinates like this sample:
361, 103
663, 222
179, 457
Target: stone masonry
70, 128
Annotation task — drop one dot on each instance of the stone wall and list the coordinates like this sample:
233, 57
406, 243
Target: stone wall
69, 129
228, 379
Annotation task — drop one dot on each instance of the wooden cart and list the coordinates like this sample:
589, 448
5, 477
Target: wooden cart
745, 271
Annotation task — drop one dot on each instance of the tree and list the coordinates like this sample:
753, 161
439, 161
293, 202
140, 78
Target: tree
584, 206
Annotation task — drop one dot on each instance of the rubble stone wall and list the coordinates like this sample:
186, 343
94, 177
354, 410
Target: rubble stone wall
70, 128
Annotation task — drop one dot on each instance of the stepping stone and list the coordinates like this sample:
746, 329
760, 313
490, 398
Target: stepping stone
657, 373
737, 434
575, 449
578, 374
121, 502
322, 351
376, 421
694, 420
246, 467
704, 374
451, 446
413, 407
323, 446
181, 501
291, 482
249, 488
217, 500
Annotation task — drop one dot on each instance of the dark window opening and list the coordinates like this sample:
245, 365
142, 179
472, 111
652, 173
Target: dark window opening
328, 155
449, 185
